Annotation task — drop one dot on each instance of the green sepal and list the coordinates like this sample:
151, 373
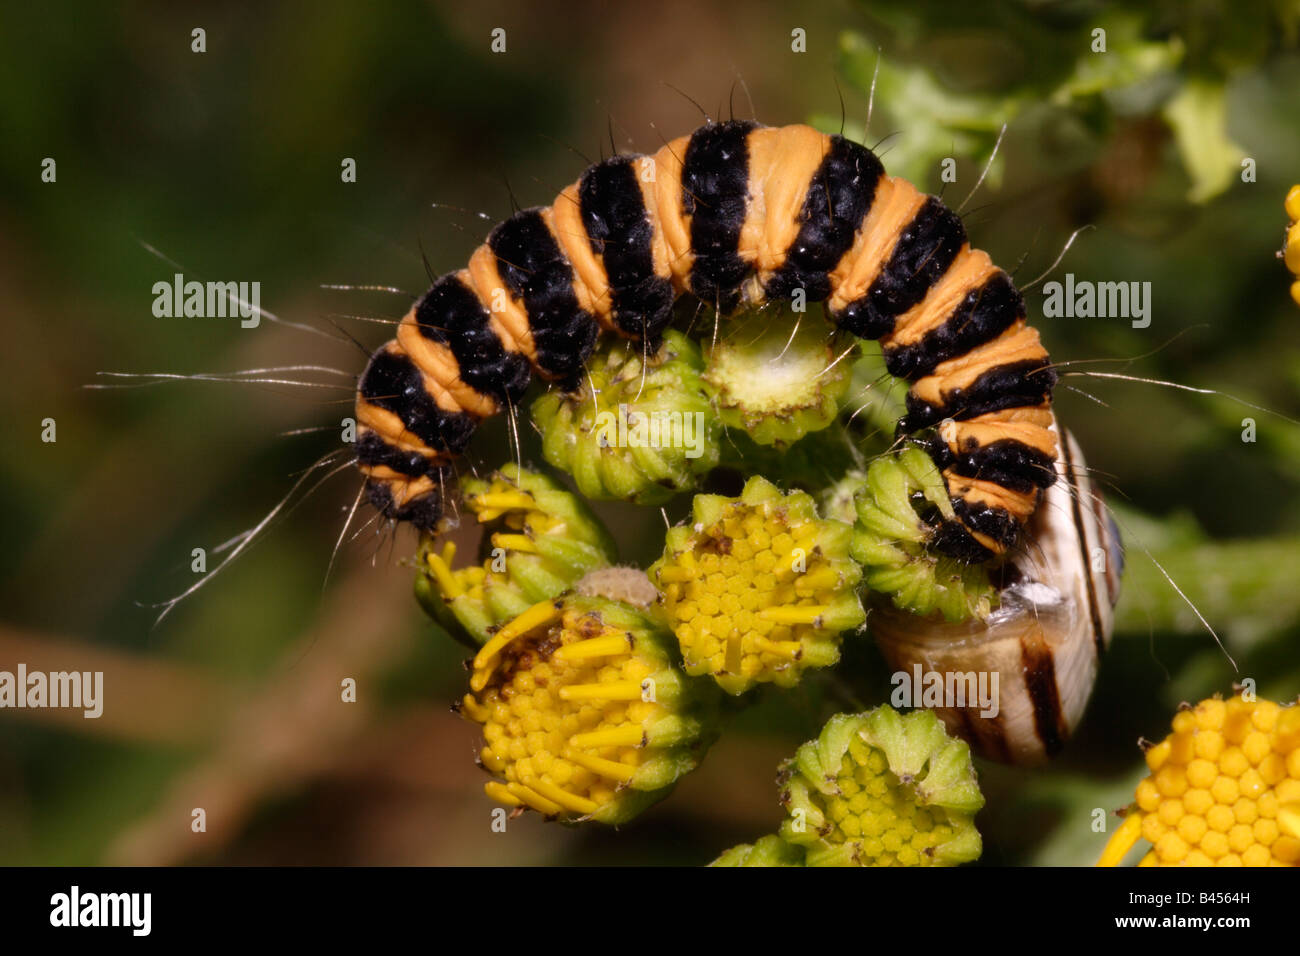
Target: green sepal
890, 541
569, 541
921, 762
765, 851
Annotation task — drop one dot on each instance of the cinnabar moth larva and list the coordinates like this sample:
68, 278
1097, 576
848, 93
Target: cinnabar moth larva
736, 214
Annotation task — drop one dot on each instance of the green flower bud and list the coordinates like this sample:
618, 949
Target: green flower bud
585, 714
839, 500
779, 374
890, 536
639, 430
765, 851
758, 588
880, 789
540, 539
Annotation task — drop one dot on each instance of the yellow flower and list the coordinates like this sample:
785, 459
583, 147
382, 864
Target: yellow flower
540, 540
1224, 790
584, 714
1291, 245
880, 789
758, 588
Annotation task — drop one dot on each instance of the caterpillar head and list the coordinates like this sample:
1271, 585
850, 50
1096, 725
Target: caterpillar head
1015, 684
417, 500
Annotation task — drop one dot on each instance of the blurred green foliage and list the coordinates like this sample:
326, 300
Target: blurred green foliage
952, 76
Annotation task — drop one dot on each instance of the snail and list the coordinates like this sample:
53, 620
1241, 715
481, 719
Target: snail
1040, 648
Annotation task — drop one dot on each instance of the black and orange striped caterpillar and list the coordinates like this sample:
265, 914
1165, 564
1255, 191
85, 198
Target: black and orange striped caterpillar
738, 215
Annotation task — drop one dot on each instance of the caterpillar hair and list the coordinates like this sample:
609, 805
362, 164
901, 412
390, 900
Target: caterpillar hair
738, 215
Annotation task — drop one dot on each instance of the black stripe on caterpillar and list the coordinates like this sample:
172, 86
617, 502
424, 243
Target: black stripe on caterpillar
736, 214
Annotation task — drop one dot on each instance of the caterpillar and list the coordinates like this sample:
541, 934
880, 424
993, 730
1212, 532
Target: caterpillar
738, 215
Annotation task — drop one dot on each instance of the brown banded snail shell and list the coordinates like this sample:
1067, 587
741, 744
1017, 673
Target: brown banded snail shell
1039, 650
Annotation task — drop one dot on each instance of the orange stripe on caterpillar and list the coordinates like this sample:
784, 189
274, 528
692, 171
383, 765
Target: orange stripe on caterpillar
738, 215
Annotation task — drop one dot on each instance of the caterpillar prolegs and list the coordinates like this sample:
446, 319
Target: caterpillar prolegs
738, 215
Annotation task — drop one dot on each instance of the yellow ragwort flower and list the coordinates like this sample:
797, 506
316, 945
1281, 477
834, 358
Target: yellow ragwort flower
584, 714
1291, 245
758, 588
539, 540
880, 789
1224, 790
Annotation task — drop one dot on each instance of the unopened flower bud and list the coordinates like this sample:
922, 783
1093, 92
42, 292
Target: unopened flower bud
770, 850
640, 429
880, 789
890, 541
778, 374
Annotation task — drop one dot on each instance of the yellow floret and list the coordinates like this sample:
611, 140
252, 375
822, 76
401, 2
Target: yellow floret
878, 789
583, 715
1224, 790
758, 588
542, 540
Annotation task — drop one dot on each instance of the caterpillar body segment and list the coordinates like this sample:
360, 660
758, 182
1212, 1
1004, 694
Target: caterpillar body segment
737, 215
